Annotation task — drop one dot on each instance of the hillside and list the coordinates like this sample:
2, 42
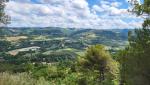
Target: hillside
53, 39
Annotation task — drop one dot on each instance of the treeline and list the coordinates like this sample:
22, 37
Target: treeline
95, 67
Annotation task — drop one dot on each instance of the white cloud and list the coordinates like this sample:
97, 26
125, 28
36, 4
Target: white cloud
97, 8
69, 13
116, 4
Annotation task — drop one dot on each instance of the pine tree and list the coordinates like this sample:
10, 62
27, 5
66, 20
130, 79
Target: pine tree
100, 62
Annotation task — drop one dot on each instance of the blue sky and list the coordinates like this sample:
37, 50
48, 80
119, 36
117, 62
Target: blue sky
93, 2
95, 14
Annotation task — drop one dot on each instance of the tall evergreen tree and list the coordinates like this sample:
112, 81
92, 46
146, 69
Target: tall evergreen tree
99, 61
135, 60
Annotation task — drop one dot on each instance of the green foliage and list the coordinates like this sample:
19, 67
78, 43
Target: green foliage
5, 45
67, 72
142, 9
135, 58
6, 67
99, 61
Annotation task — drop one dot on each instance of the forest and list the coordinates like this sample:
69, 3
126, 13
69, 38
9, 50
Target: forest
70, 56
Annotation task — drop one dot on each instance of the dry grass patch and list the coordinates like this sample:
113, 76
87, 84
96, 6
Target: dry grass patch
20, 79
16, 38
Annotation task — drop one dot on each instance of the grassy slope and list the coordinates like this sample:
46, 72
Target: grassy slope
20, 79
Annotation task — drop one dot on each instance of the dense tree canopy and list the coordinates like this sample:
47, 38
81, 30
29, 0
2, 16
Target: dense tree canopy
135, 58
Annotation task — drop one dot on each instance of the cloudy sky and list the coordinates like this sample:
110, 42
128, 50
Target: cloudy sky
96, 14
